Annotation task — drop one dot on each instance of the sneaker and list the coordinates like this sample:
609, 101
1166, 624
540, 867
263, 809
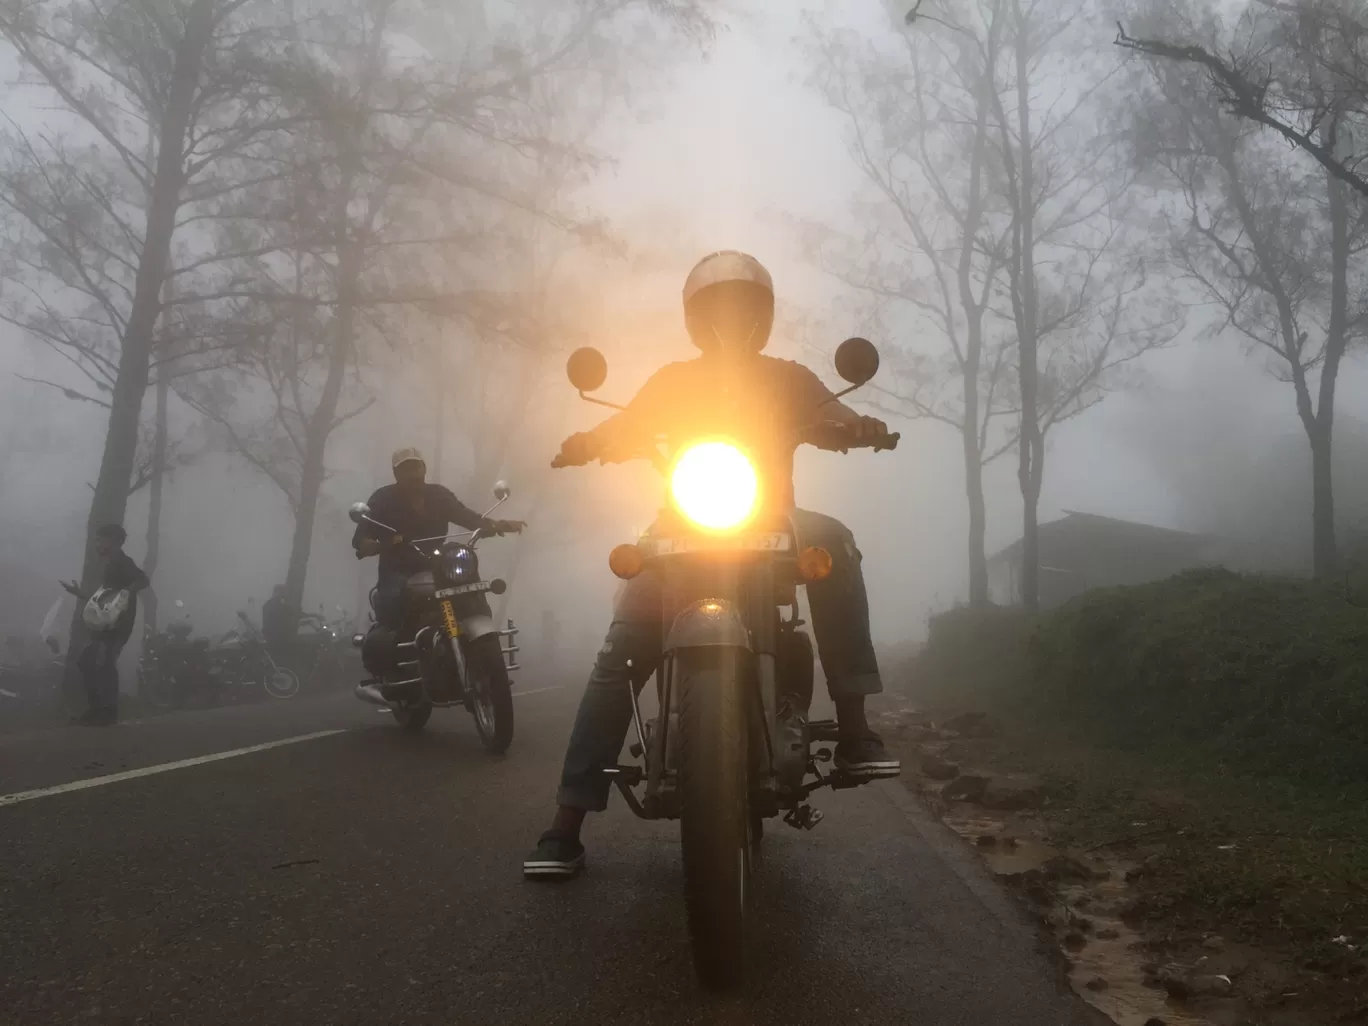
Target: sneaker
557, 856
866, 758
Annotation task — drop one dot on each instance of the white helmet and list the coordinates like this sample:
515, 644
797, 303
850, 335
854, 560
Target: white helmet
729, 301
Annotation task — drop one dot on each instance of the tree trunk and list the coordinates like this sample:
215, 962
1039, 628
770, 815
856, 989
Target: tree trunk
135, 347
322, 422
1030, 470
1324, 551
978, 528
1324, 544
154, 502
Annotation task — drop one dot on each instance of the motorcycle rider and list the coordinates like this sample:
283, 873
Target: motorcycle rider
415, 508
729, 313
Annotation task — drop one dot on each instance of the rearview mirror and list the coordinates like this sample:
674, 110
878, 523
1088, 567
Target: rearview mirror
501, 490
857, 361
358, 512
586, 369
498, 586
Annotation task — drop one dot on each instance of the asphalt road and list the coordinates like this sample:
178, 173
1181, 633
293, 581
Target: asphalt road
367, 876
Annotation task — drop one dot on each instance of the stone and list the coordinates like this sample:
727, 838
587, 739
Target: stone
1096, 984
935, 768
1063, 869
1011, 794
967, 787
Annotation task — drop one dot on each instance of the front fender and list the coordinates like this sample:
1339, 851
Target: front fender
709, 623
475, 627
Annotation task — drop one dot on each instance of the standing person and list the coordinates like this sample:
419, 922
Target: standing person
99, 660
279, 626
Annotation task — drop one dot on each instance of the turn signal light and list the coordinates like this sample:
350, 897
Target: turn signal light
625, 561
814, 564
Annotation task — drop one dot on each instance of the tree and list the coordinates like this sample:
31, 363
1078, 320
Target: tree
147, 104
991, 226
1270, 239
1297, 65
403, 166
919, 112
1074, 274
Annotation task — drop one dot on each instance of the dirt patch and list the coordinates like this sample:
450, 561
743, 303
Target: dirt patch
1178, 897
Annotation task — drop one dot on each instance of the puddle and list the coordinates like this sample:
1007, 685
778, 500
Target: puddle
1109, 954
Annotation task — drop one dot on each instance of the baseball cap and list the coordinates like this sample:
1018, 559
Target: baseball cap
405, 455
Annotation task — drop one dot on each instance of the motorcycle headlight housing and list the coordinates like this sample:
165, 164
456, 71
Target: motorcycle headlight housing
459, 564
715, 485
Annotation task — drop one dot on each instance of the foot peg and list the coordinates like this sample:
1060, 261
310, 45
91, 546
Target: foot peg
803, 816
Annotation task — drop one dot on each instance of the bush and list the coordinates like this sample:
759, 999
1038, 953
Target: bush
1263, 674
973, 655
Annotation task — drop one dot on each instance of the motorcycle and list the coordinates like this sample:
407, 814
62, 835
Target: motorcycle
454, 653
171, 664
730, 744
241, 663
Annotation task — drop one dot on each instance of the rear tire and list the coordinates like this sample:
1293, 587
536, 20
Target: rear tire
492, 703
716, 821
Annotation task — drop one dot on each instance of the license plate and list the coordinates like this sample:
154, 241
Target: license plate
463, 589
775, 541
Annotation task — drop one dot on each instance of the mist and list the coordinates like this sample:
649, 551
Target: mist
724, 145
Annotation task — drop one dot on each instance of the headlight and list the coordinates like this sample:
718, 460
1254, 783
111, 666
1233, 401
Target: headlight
715, 485
458, 563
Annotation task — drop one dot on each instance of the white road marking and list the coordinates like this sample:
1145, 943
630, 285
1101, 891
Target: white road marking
147, 771
538, 691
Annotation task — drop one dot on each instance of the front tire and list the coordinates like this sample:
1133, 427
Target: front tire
279, 682
716, 821
492, 699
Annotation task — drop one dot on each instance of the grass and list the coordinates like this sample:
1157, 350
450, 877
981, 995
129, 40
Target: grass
1227, 713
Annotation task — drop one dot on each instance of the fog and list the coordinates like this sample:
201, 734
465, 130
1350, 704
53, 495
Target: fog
726, 149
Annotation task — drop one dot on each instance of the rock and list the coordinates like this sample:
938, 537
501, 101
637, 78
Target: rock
936, 768
965, 788
965, 723
1213, 943
1183, 985
1011, 794
1075, 941
1063, 869
1009, 844
1154, 1020
1108, 934
986, 841
1096, 984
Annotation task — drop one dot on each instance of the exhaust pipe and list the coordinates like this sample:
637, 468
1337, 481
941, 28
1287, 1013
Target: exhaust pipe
371, 693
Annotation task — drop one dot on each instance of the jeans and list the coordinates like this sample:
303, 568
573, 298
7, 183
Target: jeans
99, 665
632, 650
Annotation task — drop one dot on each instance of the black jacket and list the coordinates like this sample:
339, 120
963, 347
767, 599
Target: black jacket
389, 507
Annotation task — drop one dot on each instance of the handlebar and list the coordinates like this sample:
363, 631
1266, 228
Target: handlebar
827, 435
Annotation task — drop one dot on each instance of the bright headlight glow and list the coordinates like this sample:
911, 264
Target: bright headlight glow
714, 484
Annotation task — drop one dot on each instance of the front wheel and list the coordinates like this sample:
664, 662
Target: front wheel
491, 693
279, 682
716, 822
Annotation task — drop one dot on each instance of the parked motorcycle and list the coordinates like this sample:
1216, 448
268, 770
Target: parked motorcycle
241, 664
449, 651
172, 665
730, 744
